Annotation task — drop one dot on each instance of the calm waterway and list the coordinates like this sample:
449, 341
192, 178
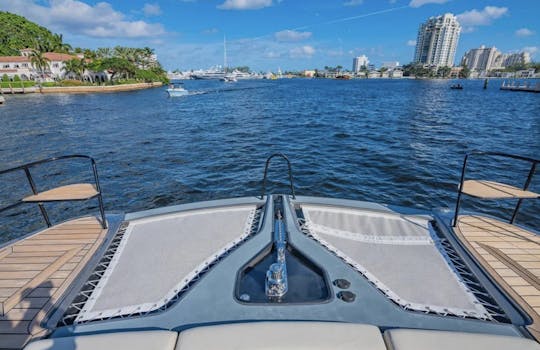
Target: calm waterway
400, 142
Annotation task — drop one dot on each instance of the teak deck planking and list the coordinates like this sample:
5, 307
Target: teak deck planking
512, 257
36, 272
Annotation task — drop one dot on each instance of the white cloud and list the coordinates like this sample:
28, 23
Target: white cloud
473, 18
531, 49
76, 17
353, 2
244, 4
292, 35
302, 51
210, 31
272, 54
152, 10
411, 42
524, 32
335, 53
418, 3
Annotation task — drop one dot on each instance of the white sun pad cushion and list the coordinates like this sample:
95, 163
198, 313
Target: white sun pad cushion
397, 254
418, 339
160, 255
158, 340
282, 335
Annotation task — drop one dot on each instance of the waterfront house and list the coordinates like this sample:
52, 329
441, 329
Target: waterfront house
22, 67
17, 65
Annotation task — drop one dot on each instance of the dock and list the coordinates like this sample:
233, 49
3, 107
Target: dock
521, 87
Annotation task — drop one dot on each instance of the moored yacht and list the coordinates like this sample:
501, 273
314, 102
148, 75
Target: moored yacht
274, 271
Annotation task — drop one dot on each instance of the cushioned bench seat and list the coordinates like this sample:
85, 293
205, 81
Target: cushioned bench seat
413, 339
282, 335
144, 340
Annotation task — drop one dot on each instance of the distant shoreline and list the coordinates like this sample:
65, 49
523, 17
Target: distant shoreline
81, 89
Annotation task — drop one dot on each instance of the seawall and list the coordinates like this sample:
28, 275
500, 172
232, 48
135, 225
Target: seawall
79, 89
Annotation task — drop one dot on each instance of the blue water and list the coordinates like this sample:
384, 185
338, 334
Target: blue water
394, 141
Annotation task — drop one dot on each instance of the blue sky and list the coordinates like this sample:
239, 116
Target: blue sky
290, 34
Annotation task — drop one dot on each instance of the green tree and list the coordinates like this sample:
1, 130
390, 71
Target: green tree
39, 62
444, 72
120, 66
18, 33
465, 71
74, 66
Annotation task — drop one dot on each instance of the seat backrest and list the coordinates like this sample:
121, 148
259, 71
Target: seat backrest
282, 335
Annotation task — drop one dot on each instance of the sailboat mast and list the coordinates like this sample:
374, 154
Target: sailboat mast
224, 54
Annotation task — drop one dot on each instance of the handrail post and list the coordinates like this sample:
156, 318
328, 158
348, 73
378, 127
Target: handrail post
266, 173
100, 198
525, 188
34, 190
458, 201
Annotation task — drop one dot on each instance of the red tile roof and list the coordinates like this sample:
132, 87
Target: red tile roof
14, 59
53, 56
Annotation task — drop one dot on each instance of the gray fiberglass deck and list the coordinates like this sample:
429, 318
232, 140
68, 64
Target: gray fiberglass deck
404, 259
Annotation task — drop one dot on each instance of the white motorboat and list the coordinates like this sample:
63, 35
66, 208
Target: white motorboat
176, 90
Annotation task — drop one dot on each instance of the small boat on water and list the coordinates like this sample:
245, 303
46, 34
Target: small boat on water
456, 87
276, 271
229, 78
176, 90
2, 100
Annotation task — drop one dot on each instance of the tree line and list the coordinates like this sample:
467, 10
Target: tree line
17, 33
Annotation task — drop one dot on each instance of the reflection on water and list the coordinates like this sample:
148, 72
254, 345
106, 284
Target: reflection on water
399, 142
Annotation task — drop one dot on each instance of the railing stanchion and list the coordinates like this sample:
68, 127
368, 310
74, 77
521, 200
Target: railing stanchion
525, 188
34, 190
291, 186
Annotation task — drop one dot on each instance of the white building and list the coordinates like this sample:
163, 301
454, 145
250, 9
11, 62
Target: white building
437, 41
485, 59
511, 59
17, 65
22, 67
358, 62
481, 59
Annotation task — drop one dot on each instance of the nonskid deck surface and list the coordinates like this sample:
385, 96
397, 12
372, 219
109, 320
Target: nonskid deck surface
511, 255
36, 272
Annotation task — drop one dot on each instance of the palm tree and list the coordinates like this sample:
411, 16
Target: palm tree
74, 66
57, 44
39, 61
104, 52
